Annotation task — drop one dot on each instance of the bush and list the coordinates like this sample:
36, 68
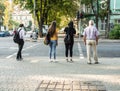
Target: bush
115, 33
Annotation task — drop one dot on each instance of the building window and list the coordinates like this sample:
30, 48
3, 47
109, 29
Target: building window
103, 25
118, 21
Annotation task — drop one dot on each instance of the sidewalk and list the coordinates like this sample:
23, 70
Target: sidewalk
37, 74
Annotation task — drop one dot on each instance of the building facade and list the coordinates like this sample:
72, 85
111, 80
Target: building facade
22, 16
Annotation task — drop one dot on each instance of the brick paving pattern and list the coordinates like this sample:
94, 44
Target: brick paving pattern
44, 76
51, 85
70, 86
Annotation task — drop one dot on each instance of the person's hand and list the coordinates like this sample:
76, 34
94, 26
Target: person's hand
85, 43
96, 43
57, 44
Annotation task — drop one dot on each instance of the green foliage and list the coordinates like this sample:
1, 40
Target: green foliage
2, 8
115, 33
11, 23
102, 13
51, 9
86, 2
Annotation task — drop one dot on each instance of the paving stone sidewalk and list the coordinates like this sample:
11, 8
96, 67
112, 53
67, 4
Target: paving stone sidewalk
37, 74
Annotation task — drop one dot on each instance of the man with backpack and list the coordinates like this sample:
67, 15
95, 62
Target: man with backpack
21, 33
69, 40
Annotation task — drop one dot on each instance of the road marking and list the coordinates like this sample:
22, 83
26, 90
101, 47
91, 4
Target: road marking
80, 51
23, 50
8, 48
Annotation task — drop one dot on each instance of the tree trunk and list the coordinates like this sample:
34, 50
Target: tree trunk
97, 15
108, 20
95, 12
40, 20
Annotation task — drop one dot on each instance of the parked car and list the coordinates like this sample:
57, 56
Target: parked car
7, 33
11, 33
4, 33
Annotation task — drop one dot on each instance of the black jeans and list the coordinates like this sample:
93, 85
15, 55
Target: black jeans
69, 48
20, 46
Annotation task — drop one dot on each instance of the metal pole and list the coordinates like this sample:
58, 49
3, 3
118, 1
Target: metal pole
97, 14
80, 22
34, 13
108, 18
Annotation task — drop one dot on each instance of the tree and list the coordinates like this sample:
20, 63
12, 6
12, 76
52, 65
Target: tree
49, 10
2, 8
101, 10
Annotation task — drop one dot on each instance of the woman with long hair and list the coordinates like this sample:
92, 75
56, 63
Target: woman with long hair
70, 30
53, 41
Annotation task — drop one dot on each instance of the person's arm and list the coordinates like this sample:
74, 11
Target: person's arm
65, 29
97, 36
74, 32
97, 40
57, 37
84, 39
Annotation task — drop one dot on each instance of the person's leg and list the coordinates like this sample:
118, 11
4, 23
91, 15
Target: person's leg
54, 48
50, 50
18, 53
95, 52
66, 51
88, 47
71, 51
21, 47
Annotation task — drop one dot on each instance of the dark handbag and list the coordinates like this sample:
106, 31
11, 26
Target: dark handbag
47, 39
67, 39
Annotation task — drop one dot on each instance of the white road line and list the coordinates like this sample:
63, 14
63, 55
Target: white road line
80, 51
23, 50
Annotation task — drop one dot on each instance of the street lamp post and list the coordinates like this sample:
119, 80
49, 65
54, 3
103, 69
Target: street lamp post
0, 23
108, 19
34, 13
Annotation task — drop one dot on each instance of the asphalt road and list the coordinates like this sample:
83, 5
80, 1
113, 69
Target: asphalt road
28, 74
106, 49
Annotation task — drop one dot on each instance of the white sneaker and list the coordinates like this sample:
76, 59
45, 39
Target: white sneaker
50, 60
55, 60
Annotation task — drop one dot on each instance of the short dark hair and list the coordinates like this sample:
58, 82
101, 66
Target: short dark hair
70, 24
21, 25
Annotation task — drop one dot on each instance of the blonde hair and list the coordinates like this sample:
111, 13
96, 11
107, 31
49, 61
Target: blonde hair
91, 22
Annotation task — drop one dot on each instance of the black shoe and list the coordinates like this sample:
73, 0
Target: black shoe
88, 62
17, 59
71, 60
96, 62
67, 60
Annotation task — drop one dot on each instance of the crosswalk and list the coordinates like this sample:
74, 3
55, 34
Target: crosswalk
80, 51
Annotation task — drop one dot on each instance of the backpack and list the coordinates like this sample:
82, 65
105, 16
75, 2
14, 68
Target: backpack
16, 37
67, 38
47, 39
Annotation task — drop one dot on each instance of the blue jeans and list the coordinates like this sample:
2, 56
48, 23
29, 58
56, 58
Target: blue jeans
52, 51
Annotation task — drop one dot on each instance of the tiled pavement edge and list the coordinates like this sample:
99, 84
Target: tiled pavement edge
37, 74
